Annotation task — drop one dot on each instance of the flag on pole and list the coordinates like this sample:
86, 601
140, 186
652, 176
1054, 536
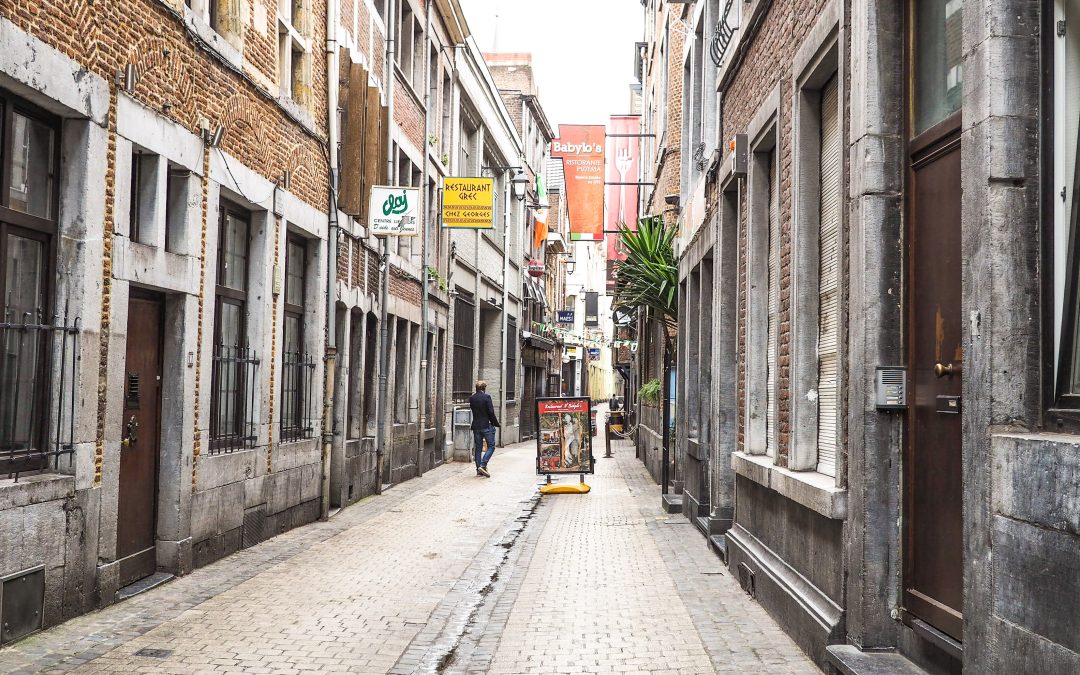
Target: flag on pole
541, 214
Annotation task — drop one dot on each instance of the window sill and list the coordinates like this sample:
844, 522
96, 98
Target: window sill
35, 489
214, 40
810, 489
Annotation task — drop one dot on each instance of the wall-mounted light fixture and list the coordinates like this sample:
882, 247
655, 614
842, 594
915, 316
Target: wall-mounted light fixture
213, 139
520, 182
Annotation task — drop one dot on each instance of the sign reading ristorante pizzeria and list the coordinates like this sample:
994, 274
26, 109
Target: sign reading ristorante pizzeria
468, 203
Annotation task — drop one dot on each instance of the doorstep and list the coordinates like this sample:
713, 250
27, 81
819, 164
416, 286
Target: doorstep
671, 503
850, 660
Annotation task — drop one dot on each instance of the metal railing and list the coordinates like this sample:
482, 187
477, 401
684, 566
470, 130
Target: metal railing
232, 399
297, 382
38, 366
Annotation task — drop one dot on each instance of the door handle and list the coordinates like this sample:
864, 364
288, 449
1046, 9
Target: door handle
942, 369
132, 429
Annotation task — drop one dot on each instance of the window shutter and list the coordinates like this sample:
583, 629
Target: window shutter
774, 309
829, 281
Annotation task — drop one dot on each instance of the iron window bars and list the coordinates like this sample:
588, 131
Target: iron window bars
297, 380
34, 404
232, 403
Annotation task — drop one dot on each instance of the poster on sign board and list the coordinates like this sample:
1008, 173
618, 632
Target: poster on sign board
564, 444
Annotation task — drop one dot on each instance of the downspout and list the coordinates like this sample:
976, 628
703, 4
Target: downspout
384, 337
505, 301
332, 251
424, 365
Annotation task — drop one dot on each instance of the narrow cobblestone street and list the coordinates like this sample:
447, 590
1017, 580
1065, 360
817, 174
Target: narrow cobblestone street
447, 573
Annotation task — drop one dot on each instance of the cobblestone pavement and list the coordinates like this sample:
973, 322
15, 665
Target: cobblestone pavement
447, 573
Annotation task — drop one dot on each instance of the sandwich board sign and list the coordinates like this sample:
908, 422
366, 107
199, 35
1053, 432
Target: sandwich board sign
394, 211
564, 443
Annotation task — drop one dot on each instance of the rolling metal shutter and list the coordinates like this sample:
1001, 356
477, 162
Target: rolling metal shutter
774, 309
829, 288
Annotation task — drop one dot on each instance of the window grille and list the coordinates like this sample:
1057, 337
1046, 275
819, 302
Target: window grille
464, 350
511, 359
38, 367
297, 381
232, 403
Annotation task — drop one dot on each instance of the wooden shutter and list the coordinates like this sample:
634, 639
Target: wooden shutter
829, 281
351, 194
774, 309
374, 144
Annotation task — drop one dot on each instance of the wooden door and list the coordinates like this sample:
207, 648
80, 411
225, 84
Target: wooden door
141, 434
933, 578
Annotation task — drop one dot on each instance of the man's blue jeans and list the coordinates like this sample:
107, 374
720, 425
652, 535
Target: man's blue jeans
479, 436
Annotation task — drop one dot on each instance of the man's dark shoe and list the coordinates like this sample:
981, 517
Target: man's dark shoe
478, 472
483, 471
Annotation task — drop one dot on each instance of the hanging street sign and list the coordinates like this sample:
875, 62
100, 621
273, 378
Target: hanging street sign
565, 316
468, 203
392, 211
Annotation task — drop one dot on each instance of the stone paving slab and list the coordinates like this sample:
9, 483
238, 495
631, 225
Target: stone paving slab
447, 573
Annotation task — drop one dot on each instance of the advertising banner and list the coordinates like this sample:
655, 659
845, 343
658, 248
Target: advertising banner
565, 316
564, 444
392, 211
468, 203
623, 151
581, 148
592, 308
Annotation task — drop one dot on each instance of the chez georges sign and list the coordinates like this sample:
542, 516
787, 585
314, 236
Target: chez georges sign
392, 211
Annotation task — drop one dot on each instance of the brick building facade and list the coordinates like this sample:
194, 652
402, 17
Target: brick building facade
179, 196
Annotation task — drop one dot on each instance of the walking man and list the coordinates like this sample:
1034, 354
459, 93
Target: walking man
484, 424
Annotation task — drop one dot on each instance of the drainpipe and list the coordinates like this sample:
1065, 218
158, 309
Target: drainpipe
384, 337
505, 301
332, 252
424, 365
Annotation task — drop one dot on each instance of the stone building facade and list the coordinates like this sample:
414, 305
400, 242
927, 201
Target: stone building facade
179, 195
661, 75
900, 219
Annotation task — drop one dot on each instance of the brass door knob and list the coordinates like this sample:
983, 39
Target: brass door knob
941, 369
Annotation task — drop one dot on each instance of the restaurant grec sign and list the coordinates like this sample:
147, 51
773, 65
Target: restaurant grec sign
468, 203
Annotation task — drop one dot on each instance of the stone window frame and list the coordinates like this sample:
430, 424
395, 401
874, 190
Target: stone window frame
294, 38
814, 64
763, 134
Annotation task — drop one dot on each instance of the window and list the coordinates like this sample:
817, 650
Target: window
771, 409
464, 350
401, 372
297, 366
294, 78
176, 208
28, 206
829, 186
355, 389
938, 60
142, 208
511, 358
232, 388
1066, 180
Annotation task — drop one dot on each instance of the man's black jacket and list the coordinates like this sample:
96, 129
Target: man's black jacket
483, 411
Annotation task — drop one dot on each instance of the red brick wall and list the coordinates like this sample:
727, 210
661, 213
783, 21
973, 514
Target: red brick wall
768, 60
183, 82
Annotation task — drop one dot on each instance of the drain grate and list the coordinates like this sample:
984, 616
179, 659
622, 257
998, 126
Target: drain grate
153, 653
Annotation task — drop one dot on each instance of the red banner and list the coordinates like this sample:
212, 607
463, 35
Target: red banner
581, 148
623, 146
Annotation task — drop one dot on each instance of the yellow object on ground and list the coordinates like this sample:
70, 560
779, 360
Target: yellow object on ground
564, 488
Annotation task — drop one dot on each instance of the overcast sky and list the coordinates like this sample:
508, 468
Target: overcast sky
583, 50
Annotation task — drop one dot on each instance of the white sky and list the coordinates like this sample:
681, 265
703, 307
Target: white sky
583, 50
